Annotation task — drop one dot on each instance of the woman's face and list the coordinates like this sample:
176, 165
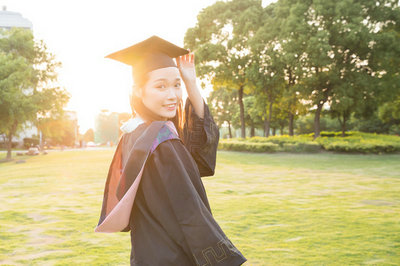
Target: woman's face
163, 91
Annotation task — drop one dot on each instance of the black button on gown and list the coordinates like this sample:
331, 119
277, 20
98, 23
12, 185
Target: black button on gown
171, 223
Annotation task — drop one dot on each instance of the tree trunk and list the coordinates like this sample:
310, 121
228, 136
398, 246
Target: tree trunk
230, 131
9, 146
266, 128
273, 131
41, 140
317, 130
292, 102
281, 130
241, 106
10, 135
344, 124
291, 124
268, 123
252, 131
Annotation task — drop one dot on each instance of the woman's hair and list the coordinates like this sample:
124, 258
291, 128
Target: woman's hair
149, 116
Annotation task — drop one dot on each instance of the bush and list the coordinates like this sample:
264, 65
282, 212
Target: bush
354, 142
281, 140
334, 133
29, 142
3, 145
309, 146
243, 146
305, 124
362, 143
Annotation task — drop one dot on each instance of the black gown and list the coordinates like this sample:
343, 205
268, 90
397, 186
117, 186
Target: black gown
171, 221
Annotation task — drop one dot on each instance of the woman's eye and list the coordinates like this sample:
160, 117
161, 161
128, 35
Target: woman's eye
160, 86
178, 85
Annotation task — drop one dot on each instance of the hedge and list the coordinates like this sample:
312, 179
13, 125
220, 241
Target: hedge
245, 146
354, 142
302, 147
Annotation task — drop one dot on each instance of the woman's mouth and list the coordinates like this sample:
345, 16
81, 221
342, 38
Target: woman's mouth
170, 106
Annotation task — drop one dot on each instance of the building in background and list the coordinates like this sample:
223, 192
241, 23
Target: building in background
9, 19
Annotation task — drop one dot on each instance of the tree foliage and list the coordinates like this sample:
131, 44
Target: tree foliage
220, 41
27, 78
300, 56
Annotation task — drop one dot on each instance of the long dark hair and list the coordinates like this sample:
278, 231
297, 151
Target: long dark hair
149, 116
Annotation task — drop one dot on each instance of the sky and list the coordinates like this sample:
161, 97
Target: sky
82, 33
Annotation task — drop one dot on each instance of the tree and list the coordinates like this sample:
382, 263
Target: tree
389, 113
106, 127
220, 42
89, 135
275, 68
58, 130
254, 118
222, 106
265, 74
341, 44
26, 73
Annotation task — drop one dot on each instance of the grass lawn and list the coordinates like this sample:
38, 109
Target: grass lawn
278, 209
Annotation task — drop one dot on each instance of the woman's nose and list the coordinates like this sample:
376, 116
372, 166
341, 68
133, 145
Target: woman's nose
172, 93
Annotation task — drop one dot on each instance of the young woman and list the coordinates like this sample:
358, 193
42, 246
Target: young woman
154, 187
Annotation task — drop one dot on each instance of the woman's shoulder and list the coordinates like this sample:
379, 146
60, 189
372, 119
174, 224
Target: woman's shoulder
172, 154
167, 132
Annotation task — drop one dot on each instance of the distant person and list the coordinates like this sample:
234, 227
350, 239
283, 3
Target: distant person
154, 187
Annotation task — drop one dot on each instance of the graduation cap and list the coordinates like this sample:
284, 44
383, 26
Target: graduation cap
148, 55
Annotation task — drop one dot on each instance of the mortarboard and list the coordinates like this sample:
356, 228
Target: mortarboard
148, 55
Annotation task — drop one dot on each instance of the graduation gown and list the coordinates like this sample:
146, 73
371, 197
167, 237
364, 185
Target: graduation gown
171, 222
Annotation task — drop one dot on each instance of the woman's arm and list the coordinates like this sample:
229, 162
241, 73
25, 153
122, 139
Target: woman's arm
188, 73
195, 98
201, 134
201, 137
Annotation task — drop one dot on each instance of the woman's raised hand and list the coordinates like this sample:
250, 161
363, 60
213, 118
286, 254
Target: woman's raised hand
186, 68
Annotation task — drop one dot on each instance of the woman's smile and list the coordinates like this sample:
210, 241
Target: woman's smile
170, 107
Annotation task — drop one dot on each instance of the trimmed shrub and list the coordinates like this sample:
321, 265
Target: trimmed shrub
362, 143
362, 147
291, 147
309, 146
355, 142
333, 133
281, 140
301, 147
244, 146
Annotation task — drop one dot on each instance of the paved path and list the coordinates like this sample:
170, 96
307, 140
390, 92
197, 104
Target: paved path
71, 149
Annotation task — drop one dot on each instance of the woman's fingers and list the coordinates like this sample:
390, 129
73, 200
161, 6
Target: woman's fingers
185, 58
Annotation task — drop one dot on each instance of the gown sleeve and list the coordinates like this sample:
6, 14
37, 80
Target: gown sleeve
178, 200
201, 136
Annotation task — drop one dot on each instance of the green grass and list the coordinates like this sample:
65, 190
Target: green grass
278, 209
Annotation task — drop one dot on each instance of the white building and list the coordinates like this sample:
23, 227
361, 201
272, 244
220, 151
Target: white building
9, 19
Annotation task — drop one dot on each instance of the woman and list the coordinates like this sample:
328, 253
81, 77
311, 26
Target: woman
154, 188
